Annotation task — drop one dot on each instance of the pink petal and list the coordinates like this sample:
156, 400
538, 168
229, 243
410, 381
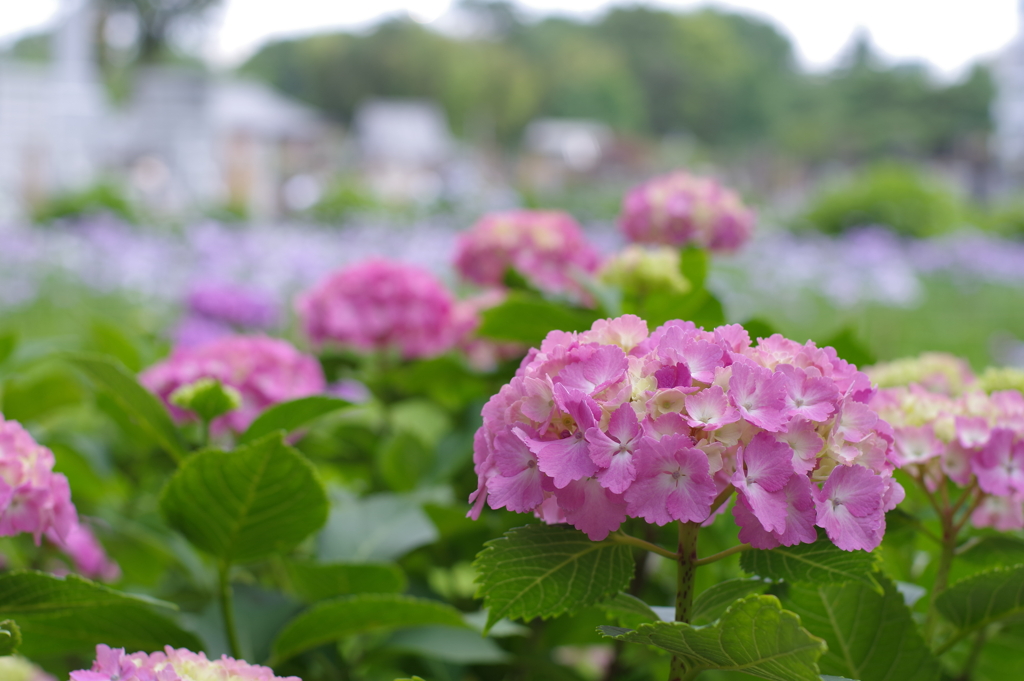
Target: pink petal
751, 531
564, 460
856, 421
619, 474
595, 510
805, 442
759, 395
521, 492
767, 463
768, 507
710, 409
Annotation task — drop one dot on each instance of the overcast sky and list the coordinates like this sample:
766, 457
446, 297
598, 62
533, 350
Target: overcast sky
950, 34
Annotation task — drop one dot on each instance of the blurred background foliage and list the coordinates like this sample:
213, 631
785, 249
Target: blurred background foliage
730, 81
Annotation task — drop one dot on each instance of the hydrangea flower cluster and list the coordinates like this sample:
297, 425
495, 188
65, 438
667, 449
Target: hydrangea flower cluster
548, 248
937, 371
381, 305
171, 665
972, 437
615, 422
680, 209
33, 498
263, 370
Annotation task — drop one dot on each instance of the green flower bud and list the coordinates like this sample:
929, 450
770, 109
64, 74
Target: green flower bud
641, 270
208, 398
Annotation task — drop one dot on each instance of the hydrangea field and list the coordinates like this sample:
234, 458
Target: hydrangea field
680, 447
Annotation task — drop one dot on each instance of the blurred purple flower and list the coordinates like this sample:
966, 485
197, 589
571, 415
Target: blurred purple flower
238, 306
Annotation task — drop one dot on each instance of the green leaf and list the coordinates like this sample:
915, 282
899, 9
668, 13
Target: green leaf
981, 599
140, 404
629, 611
378, 527
547, 570
759, 328
248, 504
755, 636
527, 319
711, 603
288, 416
8, 344
694, 264
10, 637
334, 620
820, 563
849, 347
993, 550
870, 636
458, 646
317, 582
72, 614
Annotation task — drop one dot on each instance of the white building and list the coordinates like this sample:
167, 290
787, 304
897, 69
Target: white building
183, 140
1008, 109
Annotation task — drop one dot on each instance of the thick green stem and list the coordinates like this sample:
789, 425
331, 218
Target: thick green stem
685, 578
227, 610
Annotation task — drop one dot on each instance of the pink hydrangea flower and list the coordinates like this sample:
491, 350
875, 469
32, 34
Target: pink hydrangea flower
33, 498
616, 422
171, 665
680, 209
382, 305
971, 438
548, 248
263, 370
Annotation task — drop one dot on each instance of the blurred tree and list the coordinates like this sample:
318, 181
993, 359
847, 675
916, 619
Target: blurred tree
158, 19
729, 81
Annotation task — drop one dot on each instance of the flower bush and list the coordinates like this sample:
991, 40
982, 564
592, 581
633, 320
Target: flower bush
804, 519
380, 305
680, 209
615, 423
264, 371
547, 248
171, 665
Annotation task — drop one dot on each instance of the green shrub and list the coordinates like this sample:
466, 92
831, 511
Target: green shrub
894, 195
101, 197
340, 201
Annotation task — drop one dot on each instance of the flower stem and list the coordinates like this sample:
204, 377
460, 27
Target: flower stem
722, 497
739, 548
949, 541
623, 538
687, 571
227, 609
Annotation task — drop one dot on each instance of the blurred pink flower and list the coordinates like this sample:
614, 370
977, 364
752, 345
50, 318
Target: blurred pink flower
547, 248
381, 305
33, 498
680, 209
263, 370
